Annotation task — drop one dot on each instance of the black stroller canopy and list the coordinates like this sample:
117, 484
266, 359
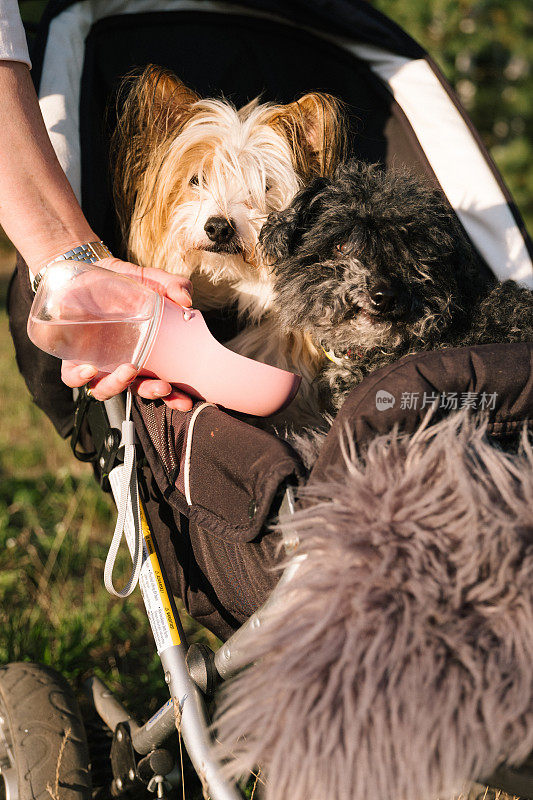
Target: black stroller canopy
337, 17
401, 110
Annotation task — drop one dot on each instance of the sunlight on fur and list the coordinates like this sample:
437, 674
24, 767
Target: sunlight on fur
224, 162
181, 161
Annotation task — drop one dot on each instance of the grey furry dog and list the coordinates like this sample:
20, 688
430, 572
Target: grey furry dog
399, 660
375, 265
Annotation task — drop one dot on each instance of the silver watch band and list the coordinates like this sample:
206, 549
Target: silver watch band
88, 252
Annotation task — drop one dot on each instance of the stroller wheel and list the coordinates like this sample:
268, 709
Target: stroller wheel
43, 747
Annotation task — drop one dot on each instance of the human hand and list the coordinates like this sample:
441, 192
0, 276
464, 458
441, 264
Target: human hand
106, 385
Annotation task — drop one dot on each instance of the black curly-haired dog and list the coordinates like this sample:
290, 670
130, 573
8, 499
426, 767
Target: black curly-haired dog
375, 265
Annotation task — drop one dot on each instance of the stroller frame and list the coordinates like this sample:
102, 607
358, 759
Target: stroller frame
191, 673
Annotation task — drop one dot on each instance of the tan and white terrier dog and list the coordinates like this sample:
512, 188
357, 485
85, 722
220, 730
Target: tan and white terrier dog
195, 179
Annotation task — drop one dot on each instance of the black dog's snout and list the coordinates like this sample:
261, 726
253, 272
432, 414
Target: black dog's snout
383, 298
219, 229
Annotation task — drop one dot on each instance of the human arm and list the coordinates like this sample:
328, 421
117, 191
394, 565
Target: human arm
40, 214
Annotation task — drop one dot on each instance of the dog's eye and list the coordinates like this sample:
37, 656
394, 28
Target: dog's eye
194, 181
383, 298
342, 248
268, 186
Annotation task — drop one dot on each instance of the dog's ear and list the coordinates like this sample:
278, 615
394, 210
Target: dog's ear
151, 105
277, 235
315, 128
154, 101
282, 230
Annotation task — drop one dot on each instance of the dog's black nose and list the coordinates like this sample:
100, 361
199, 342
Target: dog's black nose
219, 229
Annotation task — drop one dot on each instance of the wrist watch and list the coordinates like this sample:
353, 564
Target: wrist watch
90, 252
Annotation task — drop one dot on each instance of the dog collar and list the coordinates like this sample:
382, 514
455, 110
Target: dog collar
350, 355
333, 358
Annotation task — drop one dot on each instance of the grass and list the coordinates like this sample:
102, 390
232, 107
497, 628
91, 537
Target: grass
55, 528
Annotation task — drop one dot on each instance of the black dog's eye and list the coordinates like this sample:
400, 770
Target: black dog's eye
268, 186
382, 298
194, 181
342, 248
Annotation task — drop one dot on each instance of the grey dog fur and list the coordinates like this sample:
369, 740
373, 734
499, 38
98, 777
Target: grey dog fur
400, 659
374, 265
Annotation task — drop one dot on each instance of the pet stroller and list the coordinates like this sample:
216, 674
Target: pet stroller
210, 483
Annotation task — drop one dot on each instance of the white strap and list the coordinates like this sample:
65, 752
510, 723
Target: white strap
188, 451
129, 498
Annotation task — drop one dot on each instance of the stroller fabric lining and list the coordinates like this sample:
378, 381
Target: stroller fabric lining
401, 109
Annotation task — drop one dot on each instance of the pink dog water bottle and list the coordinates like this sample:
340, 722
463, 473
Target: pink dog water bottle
94, 316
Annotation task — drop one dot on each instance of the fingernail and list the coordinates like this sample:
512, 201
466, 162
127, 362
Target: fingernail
88, 372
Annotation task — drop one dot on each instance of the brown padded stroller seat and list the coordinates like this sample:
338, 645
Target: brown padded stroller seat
221, 550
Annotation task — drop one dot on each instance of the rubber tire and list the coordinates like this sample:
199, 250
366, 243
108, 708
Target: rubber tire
40, 707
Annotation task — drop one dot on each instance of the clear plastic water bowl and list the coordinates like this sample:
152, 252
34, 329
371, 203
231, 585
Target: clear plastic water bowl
91, 315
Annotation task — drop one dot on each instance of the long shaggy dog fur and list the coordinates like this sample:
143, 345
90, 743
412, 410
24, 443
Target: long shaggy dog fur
373, 266
183, 164
399, 661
